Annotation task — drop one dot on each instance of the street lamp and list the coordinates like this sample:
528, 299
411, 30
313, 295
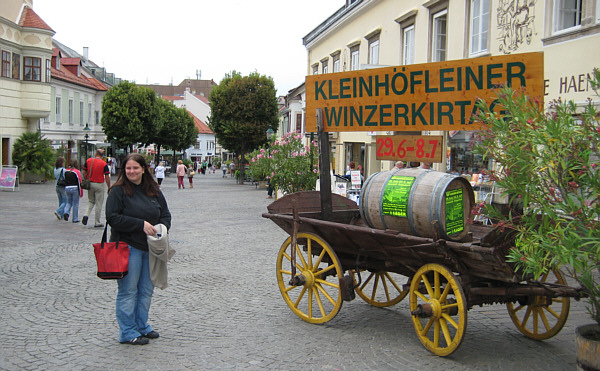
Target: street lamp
86, 129
270, 133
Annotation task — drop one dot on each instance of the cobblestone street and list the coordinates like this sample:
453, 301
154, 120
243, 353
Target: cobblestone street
222, 309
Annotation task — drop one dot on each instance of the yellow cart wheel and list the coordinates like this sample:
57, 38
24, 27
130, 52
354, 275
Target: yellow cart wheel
541, 317
438, 308
315, 296
380, 289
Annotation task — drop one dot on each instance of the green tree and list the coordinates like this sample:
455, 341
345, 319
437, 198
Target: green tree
129, 114
549, 164
243, 108
33, 153
175, 128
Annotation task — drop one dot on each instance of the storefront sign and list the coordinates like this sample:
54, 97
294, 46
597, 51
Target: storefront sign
395, 195
419, 97
421, 148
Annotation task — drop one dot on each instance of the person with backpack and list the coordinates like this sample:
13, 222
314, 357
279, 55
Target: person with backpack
73, 191
59, 175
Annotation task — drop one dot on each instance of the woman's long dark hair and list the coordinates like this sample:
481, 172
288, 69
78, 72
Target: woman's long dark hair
149, 185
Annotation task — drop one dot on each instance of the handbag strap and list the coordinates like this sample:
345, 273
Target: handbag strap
89, 173
103, 241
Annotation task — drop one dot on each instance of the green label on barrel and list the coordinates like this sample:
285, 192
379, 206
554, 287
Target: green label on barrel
454, 211
395, 195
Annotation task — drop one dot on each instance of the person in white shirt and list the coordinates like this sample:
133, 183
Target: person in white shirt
160, 172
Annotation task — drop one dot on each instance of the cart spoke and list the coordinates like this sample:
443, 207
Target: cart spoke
385, 289
427, 327
393, 282
436, 284
310, 302
445, 292
325, 293
451, 320
309, 253
422, 297
300, 296
319, 303
515, 310
553, 312
330, 267
365, 282
436, 334
526, 316
318, 262
299, 254
324, 282
544, 319
283, 271
374, 291
445, 331
427, 285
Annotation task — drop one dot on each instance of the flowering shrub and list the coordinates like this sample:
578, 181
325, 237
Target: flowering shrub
288, 164
549, 166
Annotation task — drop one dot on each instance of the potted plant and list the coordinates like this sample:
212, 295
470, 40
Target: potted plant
34, 156
290, 165
548, 164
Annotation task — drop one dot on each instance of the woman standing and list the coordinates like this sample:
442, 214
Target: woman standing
160, 172
190, 175
181, 171
73, 193
134, 206
59, 175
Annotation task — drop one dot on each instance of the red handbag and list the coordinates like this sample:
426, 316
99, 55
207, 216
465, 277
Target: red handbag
112, 258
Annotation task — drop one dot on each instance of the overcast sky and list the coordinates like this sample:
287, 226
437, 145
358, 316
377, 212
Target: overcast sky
165, 42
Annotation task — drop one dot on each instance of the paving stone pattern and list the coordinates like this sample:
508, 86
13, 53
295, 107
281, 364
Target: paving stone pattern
222, 309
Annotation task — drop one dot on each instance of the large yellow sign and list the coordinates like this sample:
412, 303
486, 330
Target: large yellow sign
431, 96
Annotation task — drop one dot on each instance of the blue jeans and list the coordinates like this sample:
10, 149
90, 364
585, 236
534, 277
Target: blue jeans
134, 296
72, 202
62, 200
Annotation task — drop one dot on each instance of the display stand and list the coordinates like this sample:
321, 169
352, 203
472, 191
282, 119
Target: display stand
9, 177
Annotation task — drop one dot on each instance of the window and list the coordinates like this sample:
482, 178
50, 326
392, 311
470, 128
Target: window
71, 111
438, 52
81, 113
32, 69
325, 65
408, 45
374, 52
567, 14
354, 61
96, 117
58, 110
299, 122
89, 113
48, 70
480, 24
5, 64
16, 68
315, 69
336, 60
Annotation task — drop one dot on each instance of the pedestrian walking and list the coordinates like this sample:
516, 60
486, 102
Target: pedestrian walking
231, 168
224, 168
160, 172
73, 191
134, 206
59, 175
97, 171
181, 171
190, 175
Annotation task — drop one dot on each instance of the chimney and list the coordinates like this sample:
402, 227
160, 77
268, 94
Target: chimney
85, 53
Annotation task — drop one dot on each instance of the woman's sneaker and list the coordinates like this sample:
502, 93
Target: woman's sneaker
137, 341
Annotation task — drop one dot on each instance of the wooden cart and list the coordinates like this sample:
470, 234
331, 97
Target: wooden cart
331, 256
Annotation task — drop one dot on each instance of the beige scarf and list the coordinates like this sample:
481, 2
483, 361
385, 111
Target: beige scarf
160, 253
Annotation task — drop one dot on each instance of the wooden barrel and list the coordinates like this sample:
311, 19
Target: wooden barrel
419, 202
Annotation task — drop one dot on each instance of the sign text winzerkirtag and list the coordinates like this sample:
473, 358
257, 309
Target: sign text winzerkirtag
431, 96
